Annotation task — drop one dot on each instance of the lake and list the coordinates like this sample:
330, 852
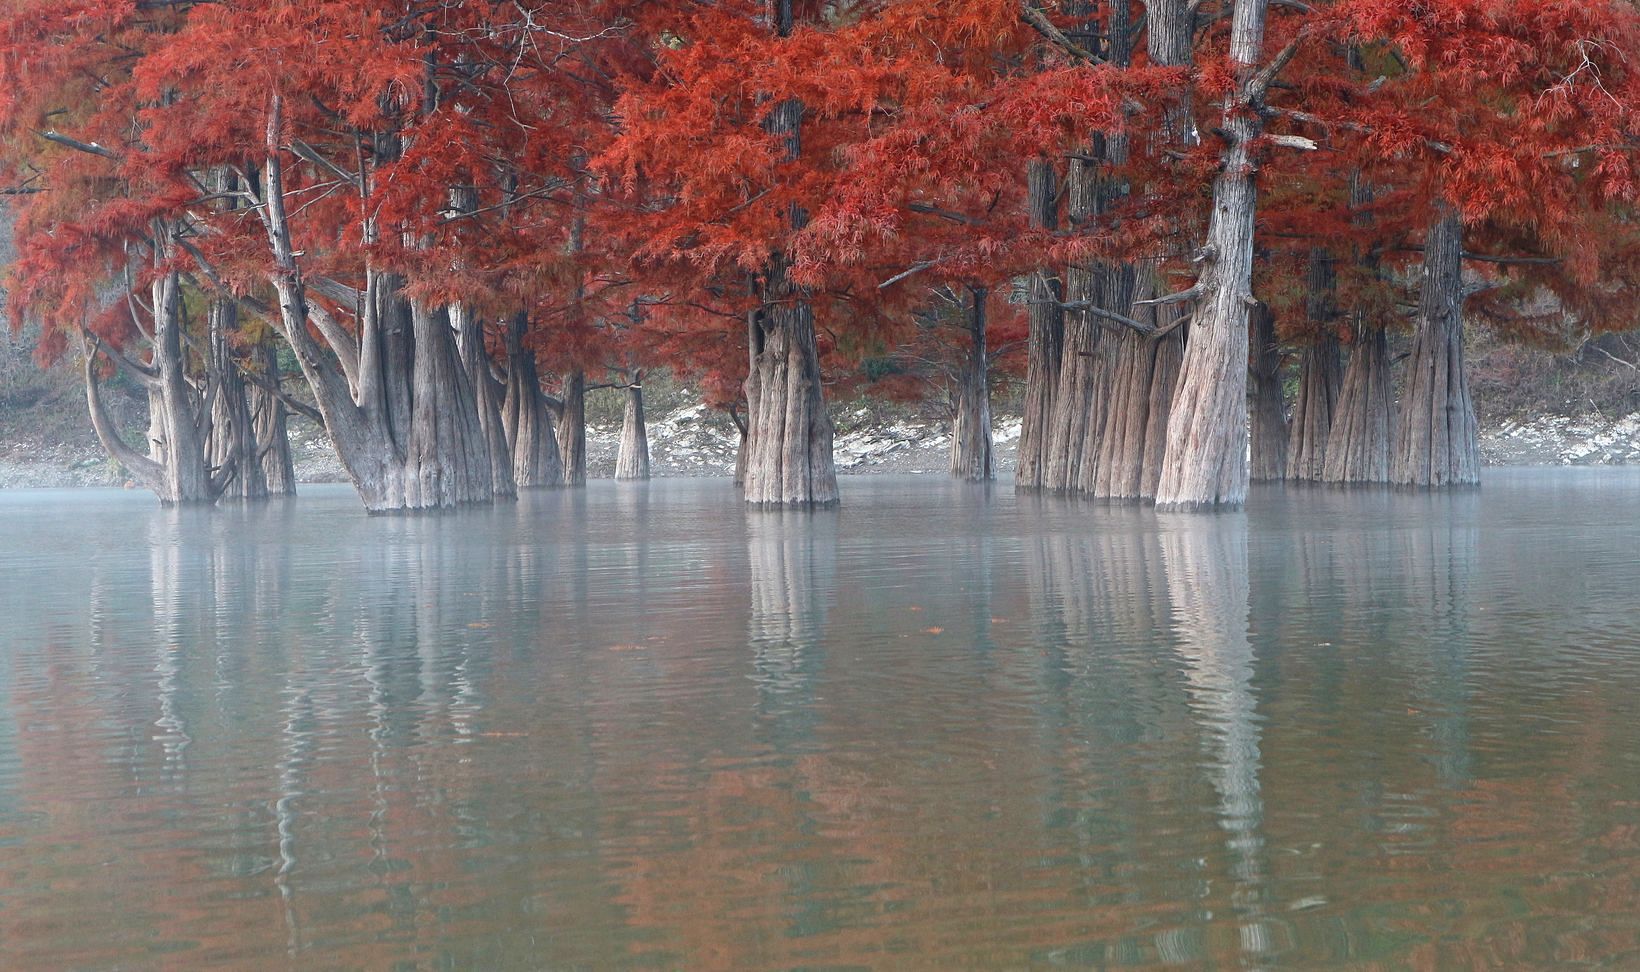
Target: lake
942, 728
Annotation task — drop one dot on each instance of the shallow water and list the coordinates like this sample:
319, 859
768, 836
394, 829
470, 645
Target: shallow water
942, 728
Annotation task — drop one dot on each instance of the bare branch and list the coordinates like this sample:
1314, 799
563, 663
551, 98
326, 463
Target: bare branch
91, 148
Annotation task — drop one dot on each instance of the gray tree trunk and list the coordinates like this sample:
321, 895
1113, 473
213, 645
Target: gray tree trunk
1358, 448
572, 429
1320, 373
1206, 462
1269, 429
971, 457
488, 399
407, 429
1437, 442
1046, 337
271, 420
537, 462
632, 461
1080, 391
789, 461
231, 441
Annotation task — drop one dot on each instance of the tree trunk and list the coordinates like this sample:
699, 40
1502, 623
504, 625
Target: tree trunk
271, 421
231, 444
1079, 392
407, 429
1437, 442
572, 429
971, 432
1358, 448
1269, 428
789, 456
1206, 462
528, 424
1047, 336
632, 461
488, 396
1319, 376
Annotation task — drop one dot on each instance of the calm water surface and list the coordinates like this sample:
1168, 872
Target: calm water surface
943, 728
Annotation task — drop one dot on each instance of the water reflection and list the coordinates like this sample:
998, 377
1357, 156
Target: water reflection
640, 727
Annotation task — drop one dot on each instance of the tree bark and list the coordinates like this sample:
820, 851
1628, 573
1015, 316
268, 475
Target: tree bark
1437, 443
572, 428
1358, 447
789, 459
407, 430
271, 420
1046, 337
1319, 375
1206, 462
231, 442
1080, 391
1269, 429
536, 460
488, 397
632, 461
971, 457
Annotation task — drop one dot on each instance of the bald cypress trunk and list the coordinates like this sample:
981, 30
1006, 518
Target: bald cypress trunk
1046, 337
789, 460
1206, 462
1079, 391
1437, 442
632, 460
1269, 428
1320, 374
525, 417
271, 421
1358, 448
572, 428
232, 441
971, 454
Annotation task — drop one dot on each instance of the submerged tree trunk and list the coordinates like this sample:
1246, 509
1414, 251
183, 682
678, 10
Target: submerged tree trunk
632, 461
572, 428
1206, 462
271, 420
1079, 393
396, 403
232, 442
176, 467
971, 431
1046, 338
1437, 442
789, 460
488, 398
1269, 428
536, 460
1358, 448
1319, 377
1143, 373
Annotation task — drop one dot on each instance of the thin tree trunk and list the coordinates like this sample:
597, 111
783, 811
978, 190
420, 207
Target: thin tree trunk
1269, 430
1320, 373
1046, 337
1358, 448
1437, 442
572, 428
971, 457
632, 461
1206, 462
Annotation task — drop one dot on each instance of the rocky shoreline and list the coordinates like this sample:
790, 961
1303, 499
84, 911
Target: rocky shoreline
696, 441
